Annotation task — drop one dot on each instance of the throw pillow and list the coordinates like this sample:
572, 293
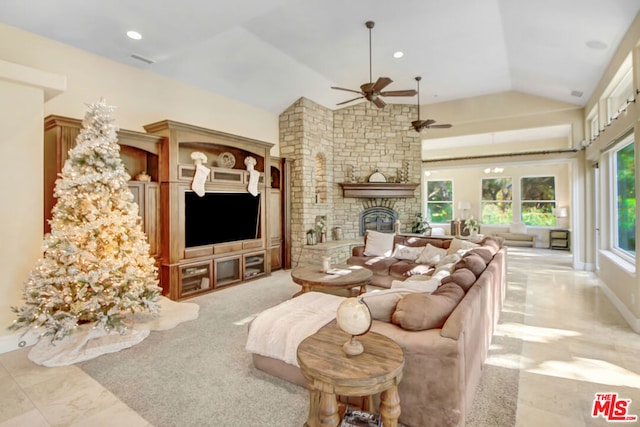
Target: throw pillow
419, 312
426, 284
382, 304
459, 244
463, 277
445, 267
431, 255
449, 259
410, 253
378, 244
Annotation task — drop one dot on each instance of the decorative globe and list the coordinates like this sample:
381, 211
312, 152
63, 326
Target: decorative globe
353, 317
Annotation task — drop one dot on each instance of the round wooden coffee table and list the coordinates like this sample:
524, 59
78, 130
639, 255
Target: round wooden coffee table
330, 372
311, 278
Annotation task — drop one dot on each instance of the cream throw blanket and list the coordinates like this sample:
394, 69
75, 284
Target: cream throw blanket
277, 331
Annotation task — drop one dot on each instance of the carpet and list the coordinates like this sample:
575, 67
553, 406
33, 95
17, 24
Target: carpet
199, 374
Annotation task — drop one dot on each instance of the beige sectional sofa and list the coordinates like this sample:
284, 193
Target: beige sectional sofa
445, 336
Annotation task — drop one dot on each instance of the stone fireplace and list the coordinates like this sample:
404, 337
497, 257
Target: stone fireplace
328, 148
378, 216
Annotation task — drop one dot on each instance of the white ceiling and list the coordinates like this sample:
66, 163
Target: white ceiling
269, 53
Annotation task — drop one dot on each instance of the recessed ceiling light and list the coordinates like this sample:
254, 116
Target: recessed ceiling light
597, 45
134, 35
398, 54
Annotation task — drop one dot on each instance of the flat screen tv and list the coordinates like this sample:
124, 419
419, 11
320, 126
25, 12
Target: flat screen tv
220, 217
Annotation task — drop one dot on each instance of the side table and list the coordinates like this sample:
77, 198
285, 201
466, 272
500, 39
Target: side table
329, 373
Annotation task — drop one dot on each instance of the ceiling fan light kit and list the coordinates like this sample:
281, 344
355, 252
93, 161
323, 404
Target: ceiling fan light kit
371, 91
418, 125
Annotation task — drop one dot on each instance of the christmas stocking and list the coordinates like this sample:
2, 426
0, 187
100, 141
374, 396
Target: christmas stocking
254, 178
197, 185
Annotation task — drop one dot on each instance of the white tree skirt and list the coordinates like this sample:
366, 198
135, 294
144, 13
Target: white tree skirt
89, 342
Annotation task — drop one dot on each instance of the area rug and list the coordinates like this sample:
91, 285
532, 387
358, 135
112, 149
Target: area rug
199, 374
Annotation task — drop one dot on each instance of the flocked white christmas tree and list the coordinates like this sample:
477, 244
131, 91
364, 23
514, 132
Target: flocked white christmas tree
96, 266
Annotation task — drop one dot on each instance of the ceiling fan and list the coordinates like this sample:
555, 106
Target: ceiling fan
418, 125
373, 91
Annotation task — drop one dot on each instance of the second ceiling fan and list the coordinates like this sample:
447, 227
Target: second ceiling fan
418, 125
373, 91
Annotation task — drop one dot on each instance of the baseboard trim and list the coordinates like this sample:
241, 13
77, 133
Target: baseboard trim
633, 321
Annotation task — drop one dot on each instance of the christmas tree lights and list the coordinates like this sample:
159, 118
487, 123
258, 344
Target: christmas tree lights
96, 266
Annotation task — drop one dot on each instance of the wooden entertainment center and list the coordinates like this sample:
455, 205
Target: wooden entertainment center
164, 152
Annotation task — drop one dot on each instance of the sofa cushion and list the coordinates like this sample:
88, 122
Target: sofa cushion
431, 255
485, 254
418, 312
459, 244
382, 304
463, 277
491, 243
407, 252
473, 262
378, 244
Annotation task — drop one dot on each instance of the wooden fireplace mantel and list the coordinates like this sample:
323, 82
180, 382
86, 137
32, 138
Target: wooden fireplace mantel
378, 189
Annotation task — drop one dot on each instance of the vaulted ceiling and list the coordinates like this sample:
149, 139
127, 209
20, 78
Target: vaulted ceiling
269, 53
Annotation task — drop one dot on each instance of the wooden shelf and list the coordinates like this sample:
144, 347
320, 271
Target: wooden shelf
378, 189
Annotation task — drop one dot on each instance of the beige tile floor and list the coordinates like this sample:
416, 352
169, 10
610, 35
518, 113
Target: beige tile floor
574, 344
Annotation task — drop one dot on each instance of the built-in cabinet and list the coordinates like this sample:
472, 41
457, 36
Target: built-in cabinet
164, 156
139, 153
221, 260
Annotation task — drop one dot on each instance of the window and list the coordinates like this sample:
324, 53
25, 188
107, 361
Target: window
624, 216
620, 96
497, 201
595, 127
538, 199
439, 201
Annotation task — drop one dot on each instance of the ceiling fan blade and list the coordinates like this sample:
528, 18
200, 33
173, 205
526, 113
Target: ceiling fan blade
381, 83
439, 126
348, 90
345, 102
379, 102
409, 92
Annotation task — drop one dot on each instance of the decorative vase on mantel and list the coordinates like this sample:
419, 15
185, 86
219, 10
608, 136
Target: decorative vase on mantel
323, 237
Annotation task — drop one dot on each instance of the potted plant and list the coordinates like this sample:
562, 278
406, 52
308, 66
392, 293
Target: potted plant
472, 225
421, 226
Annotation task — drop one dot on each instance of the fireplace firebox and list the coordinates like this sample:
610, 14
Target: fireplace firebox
378, 218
